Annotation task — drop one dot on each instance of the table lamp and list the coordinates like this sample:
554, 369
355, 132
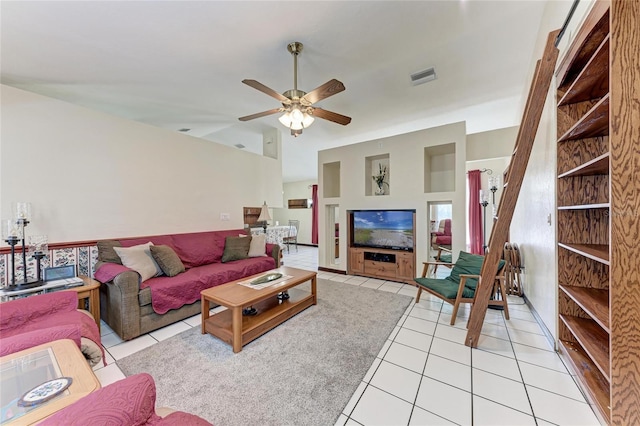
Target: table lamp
264, 216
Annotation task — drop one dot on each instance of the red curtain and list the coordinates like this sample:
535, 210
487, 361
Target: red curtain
314, 214
475, 213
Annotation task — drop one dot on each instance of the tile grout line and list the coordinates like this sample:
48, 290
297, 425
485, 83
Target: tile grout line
526, 391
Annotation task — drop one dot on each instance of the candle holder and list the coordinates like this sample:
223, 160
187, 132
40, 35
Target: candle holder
494, 184
484, 202
11, 234
13, 231
38, 249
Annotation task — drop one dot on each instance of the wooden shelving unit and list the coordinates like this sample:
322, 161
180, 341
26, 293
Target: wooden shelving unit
251, 215
598, 251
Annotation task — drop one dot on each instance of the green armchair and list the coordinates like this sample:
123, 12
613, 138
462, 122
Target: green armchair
460, 286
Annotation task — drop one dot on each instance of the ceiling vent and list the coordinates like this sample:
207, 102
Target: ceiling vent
239, 146
423, 76
184, 130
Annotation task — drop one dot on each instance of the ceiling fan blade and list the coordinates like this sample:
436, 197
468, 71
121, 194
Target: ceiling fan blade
264, 89
330, 88
331, 116
259, 114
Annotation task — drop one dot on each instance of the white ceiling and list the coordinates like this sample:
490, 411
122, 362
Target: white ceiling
179, 64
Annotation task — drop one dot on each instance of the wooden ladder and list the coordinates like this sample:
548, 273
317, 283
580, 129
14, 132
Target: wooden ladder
540, 84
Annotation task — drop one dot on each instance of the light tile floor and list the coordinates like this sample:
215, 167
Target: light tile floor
425, 375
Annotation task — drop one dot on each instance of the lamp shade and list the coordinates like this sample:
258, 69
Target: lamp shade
264, 213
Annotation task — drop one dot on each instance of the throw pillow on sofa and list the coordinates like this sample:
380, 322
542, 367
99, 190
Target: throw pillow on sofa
258, 246
236, 248
106, 253
167, 260
140, 260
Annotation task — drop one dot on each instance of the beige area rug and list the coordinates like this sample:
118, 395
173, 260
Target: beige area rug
303, 372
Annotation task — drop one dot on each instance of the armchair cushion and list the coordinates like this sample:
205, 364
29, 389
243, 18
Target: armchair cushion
33, 338
446, 288
17, 313
44, 311
467, 263
130, 401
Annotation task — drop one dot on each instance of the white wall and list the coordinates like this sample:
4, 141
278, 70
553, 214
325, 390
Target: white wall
90, 175
296, 190
492, 144
406, 166
535, 237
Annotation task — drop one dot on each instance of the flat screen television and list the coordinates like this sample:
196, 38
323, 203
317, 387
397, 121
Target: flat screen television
389, 229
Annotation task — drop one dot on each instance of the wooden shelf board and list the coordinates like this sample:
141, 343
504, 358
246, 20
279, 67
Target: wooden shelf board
593, 81
585, 206
597, 252
597, 166
594, 123
595, 385
593, 339
594, 301
270, 313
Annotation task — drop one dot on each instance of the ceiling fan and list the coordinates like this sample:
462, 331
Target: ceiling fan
297, 105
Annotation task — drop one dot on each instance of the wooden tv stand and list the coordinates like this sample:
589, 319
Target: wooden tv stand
385, 264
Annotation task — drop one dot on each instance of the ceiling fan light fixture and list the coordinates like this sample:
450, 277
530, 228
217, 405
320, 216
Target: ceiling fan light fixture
297, 105
307, 120
296, 114
285, 119
295, 119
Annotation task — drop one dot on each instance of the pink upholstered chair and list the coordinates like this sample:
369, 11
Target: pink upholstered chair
34, 320
442, 237
130, 401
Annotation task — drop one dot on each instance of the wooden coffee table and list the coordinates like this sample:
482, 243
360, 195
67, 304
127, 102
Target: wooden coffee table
26, 369
237, 330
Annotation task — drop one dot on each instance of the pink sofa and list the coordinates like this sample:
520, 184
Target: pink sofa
132, 308
130, 401
34, 320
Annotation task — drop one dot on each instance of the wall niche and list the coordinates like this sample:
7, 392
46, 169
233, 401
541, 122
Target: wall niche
440, 168
372, 168
331, 180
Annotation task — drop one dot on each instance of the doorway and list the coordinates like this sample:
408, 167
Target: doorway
440, 225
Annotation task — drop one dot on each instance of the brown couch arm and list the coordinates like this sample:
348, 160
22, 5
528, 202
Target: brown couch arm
119, 305
276, 254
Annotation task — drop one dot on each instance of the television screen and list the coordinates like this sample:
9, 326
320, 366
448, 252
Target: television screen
391, 229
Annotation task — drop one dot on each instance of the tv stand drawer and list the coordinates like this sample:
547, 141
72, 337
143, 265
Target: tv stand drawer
384, 269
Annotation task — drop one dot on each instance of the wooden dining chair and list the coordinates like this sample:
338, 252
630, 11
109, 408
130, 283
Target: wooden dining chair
292, 238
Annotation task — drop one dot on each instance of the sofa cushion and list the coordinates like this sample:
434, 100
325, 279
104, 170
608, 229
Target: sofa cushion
106, 253
174, 292
167, 260
236, 248
140, 260
258, 245
196, 249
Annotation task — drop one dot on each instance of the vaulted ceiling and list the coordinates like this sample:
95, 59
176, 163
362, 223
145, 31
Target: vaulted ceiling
179, 64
